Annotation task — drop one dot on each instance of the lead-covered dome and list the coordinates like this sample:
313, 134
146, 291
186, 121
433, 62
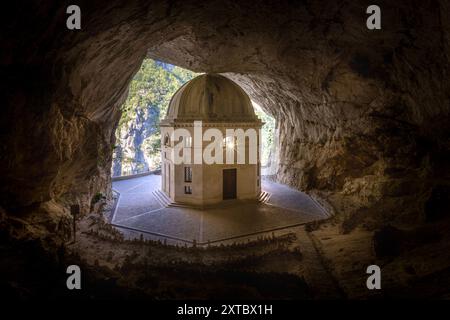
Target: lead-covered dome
211, 97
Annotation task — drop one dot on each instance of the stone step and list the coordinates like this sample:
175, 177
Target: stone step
165, 201
165, 197
264, 197
158, 199
162, 198
260, 196
222, 204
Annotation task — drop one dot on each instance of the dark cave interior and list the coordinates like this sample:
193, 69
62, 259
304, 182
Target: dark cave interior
363, 120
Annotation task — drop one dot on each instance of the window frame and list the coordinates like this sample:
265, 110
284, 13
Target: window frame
187, 174
187, 189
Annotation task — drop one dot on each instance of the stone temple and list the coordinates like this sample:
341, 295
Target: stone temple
214, 102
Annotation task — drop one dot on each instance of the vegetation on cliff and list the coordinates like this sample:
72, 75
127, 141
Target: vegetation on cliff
137, 136
138, 139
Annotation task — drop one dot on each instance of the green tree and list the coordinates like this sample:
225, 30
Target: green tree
138, 133
138, 139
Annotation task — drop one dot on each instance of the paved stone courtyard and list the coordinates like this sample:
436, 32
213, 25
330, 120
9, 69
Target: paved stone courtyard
138, 212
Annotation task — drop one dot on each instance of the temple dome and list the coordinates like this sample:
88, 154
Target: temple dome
211, 97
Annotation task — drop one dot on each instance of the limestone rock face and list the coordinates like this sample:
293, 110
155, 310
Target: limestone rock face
363, 116
132, 135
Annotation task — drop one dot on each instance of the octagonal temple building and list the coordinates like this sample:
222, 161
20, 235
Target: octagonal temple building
216, 154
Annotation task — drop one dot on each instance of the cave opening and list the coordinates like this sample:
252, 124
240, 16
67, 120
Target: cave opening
138, 175
138, 139
361, 120
137, 145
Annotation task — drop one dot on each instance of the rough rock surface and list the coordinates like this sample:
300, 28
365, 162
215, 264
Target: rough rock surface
132, 136
363, 115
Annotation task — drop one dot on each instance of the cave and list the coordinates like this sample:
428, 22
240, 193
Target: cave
362, 120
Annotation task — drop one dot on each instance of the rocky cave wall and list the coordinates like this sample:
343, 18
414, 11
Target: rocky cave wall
363, 115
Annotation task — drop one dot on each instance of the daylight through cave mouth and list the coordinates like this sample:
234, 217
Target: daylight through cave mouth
152, 187
362, 116
138, 139
347, 131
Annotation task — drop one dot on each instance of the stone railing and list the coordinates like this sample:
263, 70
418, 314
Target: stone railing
135, 175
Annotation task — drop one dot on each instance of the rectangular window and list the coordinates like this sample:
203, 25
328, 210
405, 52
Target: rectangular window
187, 190
188, 142
187, 174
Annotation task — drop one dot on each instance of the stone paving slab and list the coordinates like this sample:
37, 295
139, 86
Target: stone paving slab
179, 223
138, 209
247, 218
145, 184
133, 205
286, 197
